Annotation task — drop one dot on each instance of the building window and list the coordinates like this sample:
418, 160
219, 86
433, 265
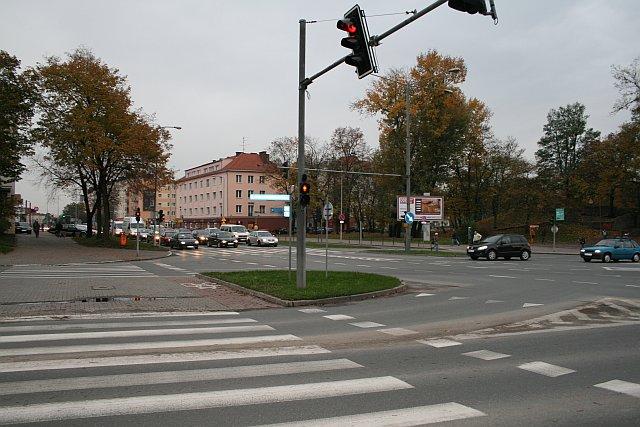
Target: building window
221, 194
250, 210
208, 196
190, 199
238, 194
238, 208
160, 204
189, 186
201, 197
214, 195
200, 183
190, 211
238, 178
263, 192
214, 210
207, 182
201, 210
249, 193
208, 210
159, 195
250, 179
261, 179
261, 209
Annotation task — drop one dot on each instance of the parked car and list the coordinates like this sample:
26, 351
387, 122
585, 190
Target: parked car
166, 236
184, 241
240, 232
74, 230
262, 238
222, 239
506, 246
23, 227
615, 249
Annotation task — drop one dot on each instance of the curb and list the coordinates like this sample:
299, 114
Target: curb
298, 303
165, 255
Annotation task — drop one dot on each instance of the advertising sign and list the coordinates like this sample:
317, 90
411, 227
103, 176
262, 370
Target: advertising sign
559, 214
148, 200
425, 208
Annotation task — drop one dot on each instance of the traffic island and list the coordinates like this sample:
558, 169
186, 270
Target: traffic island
338, 287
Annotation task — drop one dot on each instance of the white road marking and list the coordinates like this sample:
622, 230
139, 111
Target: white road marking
619, 386
474, 266
159, 345
71, 326
633, 286
583, 283
193, 401
545, 280
419, 415
150, 359
173, 377
338, 263
397, 331
530, 304
312, 310
111, 316
486, 355
338, 317
133, 333
544, 368
424, 295
492, 301
362, 265
501, 277
439, 342
269, 266
457, 298
367, 324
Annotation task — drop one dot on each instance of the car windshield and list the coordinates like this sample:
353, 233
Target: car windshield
264, 234
239, 229
184, 236
170, 233
607, 242
225, 234
492, 239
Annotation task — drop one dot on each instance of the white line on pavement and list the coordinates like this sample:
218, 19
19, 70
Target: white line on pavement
419, 415
492, 301
457, 298
439, 342
633, 286
583, 283
111, 316
397, 331
546, 369
362, 265
619, 386
367, 324
146, 345
150, 359
530, 304
545, 280
312, 310
338, 317
423, 294
133, 333
486, 355
501, 277
193, 401
172, 377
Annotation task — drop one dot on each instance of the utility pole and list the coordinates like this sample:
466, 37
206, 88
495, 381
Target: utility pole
301, 273
407, 159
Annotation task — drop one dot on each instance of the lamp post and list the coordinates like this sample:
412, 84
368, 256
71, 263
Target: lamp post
155, 193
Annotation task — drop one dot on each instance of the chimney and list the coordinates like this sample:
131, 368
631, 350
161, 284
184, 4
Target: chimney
238, 153
264, 156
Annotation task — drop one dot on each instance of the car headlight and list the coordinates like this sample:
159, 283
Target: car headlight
581, 250
182, 243
224, 241
275, 240
482, 248
235, 241
597, 251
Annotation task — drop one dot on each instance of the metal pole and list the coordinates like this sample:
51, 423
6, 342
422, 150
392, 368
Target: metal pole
326, 246
301, 276
341, 211
290, 238
407, 234
138, 240
375, 40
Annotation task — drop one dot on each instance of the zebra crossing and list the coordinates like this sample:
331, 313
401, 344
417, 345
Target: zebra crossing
142, 370
74, 271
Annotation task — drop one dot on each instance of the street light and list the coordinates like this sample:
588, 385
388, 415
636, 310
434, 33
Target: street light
155, 192
407, 94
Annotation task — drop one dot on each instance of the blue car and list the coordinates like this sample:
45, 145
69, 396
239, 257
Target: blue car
608, 250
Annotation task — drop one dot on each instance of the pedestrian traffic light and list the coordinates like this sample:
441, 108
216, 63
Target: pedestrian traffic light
361, 57
305, 188
160, 216
137, 214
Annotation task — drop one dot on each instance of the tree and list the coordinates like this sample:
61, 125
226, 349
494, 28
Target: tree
628, 84
92, 137
17, 97
75, 210
561, 148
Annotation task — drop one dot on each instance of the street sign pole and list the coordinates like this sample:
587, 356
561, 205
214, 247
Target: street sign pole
138, 239
290, 216
326, 247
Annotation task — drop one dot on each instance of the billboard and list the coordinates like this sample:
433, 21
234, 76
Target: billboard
425, 208
148, 200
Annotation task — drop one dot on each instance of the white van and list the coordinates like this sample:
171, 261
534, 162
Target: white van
130, 226
116, 227
239, 231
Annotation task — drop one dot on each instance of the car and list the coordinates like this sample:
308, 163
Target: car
184, 241
74, 230
166, 236
222, 239
262, 238
201, 236
23, 227
616, 249
240, 232
144, 234
506, 246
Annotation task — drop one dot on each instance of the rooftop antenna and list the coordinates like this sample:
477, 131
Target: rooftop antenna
243, 144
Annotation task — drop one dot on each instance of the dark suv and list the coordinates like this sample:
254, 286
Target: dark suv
501, 245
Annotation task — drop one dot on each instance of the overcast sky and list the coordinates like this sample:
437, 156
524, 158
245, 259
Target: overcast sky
227, 70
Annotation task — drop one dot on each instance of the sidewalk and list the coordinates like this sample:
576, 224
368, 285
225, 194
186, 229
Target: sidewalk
51, 250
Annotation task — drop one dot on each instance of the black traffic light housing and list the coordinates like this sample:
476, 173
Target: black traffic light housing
475, 6
305, 189
285, 170
160, 216
357, 40
137, 214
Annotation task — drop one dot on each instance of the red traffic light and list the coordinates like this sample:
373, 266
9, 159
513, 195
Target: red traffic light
348, 26
304, 188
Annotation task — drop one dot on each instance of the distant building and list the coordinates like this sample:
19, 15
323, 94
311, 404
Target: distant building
165, 197
219, 192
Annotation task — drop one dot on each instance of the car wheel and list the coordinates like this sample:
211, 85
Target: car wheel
248, 242
635, 258
492, 255
235, 246
474, 257
219, 244
587, 259
606, 258
525, 255
259, 244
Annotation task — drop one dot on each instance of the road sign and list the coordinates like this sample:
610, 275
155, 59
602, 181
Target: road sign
327, 212
271, 197
559, 214
277, 210
341, 217
409, 217
286, 211
554, 229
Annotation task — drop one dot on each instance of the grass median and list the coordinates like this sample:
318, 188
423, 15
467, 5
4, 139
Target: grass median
421, 252
337, 284
114, 243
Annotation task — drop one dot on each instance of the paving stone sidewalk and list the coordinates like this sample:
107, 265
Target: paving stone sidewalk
51, 250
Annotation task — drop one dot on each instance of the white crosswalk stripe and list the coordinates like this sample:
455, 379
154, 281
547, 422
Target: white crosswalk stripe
113, 270
161, 354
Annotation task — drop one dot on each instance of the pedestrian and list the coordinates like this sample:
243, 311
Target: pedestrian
436, 242
455, 240
582, 242
476, 237
604, 233
36, 228
59, 229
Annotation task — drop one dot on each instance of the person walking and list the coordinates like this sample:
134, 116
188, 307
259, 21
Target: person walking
436, 242
36, 228
582, 242
476, 237
455, 240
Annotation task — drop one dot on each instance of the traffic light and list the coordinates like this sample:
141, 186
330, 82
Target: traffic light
357, 40
137, 214
285, 170
469, 6
305, 188
161, 216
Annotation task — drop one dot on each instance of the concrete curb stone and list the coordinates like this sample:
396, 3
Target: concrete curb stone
148, 258
298, 303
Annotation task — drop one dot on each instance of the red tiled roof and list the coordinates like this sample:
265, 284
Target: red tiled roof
251, 162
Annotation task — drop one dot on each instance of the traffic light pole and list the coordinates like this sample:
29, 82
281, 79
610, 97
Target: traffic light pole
301, 273
407, 154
